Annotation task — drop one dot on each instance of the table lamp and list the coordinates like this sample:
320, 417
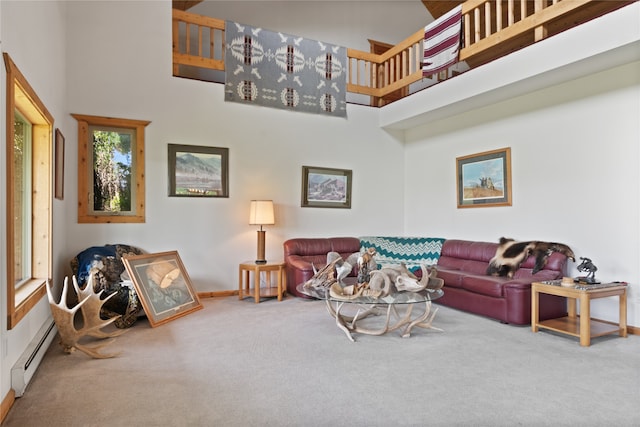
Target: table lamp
261, 213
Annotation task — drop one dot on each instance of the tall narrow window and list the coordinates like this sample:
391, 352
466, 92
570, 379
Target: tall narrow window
110, 169
29, 195
112, 157
22, 206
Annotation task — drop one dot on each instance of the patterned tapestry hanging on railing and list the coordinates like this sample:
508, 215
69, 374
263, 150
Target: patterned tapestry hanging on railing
442, 42
284, 71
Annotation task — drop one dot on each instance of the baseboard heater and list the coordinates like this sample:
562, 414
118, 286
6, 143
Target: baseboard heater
28, 363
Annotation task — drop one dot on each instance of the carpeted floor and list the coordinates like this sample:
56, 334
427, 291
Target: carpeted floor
236, 363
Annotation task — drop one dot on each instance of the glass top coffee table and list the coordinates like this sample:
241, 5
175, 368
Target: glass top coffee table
397, 307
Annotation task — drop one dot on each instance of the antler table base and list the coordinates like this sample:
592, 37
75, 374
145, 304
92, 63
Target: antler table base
393, 321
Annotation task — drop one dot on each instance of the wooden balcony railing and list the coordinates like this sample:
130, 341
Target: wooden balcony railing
491, 29
198, 41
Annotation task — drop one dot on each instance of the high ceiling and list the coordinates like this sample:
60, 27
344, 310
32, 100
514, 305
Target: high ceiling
436, 8
184, 5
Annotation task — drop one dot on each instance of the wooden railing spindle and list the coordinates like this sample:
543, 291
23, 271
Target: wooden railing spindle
476, 22
467, 30
487, 19
510, 18
212, 46
188, 38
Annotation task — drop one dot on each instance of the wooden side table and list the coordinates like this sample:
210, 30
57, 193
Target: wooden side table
269, 268
583, 326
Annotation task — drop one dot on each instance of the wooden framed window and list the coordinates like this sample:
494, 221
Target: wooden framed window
29, 152
110, 169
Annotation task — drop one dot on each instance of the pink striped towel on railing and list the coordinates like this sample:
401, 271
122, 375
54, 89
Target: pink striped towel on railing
442, 42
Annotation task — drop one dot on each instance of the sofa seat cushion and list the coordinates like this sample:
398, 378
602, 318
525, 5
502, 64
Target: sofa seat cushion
485, 285
413, 251
452, 277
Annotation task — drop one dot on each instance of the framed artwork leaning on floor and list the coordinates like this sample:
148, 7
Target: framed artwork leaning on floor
163, 286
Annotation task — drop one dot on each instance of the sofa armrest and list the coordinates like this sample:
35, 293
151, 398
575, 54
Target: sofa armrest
518, 284
299, 263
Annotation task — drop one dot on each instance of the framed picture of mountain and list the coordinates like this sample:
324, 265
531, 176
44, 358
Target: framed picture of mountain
198, 171
326, 187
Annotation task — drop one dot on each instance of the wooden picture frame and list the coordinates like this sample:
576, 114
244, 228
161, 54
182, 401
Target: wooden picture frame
484, 179
163, 286
59, 165
326, 187
198, 171
113, 147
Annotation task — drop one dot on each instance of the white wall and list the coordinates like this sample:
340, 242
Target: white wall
32, 33
575, 177
347, 23
127, 73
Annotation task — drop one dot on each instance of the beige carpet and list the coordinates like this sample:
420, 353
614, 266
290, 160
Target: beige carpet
236, 363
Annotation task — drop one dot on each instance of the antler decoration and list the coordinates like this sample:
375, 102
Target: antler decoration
90, 303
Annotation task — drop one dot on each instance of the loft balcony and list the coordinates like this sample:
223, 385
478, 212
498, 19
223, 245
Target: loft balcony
492, 29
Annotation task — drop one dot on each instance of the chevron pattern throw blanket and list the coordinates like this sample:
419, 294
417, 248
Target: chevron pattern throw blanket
413, 251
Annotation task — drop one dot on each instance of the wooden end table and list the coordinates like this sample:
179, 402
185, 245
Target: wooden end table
244, 274
582, 326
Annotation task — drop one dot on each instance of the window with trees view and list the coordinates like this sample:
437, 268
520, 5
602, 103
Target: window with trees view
110, 169
29, 198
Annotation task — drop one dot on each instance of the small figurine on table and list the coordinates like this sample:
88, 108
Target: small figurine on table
588, 266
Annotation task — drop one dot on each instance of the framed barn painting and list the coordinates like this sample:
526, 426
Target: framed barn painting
163, 286
198, 171
484, 179
326, 188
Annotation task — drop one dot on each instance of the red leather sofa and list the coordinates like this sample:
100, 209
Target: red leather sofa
462, 264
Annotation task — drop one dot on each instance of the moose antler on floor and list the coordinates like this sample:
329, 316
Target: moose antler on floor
90, 303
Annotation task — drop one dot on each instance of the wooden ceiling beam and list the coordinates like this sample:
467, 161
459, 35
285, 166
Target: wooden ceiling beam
437, 8
184, 5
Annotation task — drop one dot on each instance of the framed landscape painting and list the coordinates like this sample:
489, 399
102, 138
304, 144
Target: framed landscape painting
326, 188
484, 179
163, 286
198, 171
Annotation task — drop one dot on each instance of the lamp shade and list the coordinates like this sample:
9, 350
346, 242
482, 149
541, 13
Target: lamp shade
261, 212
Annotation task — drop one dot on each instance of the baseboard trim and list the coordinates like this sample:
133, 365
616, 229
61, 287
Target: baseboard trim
217, 294
631, 330
6, 404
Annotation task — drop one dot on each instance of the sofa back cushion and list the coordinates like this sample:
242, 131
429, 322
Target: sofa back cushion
474, 257
315, 250
466, 255
554, 269
301, 253
413, 251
